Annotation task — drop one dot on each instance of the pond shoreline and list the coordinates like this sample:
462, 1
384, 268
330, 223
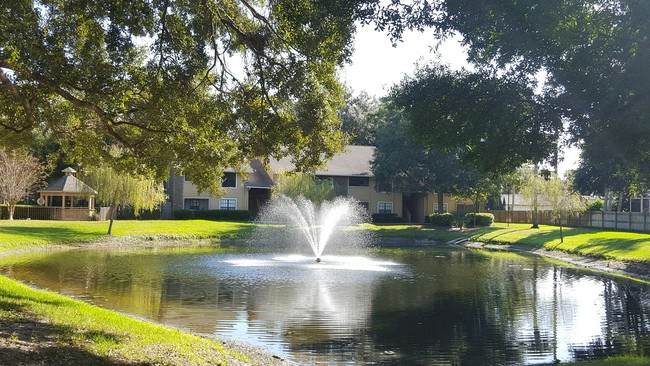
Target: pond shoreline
636, 270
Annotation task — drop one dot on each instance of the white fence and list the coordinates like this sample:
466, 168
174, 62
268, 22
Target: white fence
628, 221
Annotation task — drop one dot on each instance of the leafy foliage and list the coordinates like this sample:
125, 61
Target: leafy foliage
495, 122
386, 218
445, 219
221, 215
357, 118
121, 189
596, 205
475, 219
294, 185
594, 57
403, 164
195, 86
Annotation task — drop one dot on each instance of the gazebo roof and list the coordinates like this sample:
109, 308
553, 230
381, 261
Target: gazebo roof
69, 184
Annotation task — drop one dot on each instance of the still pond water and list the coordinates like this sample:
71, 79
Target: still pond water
414, 306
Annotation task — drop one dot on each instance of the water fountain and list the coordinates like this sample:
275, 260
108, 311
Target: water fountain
332, 225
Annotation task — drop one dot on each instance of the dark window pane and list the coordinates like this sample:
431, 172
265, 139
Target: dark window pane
229, 180
359, 181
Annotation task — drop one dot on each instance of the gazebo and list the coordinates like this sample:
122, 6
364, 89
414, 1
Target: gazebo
71, 198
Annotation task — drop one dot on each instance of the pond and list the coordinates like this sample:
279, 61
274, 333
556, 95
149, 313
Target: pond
405, 306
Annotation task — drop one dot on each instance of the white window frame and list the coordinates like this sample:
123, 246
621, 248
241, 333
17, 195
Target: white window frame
198, 199
227, 206
445, 207
380, 203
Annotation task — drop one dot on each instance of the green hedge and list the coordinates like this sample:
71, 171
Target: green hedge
445, 219
222, 215
479, 219
385, 218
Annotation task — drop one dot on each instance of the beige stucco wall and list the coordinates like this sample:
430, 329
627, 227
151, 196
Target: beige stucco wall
452, 203
370, 195
240, 193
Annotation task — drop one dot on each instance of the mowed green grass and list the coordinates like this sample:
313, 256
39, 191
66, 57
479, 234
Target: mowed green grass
416, 232
40, 327
616, 245
29, 233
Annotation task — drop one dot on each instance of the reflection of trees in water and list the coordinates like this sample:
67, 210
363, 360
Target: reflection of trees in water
456, 313
452, 307
626, 329
487, 310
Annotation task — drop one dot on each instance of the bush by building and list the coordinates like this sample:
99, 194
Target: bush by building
444, 219
222, 215
385, 218
474, 219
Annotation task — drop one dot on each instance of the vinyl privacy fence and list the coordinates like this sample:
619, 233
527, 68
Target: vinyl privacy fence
628, 221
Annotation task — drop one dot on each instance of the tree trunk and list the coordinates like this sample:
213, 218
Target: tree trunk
535, 213
111, 211
11, 207
561, 235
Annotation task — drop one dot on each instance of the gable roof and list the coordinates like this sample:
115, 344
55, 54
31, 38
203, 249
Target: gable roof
353, 161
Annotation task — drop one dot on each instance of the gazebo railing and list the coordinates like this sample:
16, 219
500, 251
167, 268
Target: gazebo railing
46, 213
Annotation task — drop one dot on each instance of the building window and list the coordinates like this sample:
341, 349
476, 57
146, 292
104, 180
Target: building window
229, 180
228, 204
364, 205
195, 204
359, 181
384, 207
445, 207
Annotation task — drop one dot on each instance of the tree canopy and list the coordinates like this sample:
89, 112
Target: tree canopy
195, 86
594, 54
402, 164
496, 122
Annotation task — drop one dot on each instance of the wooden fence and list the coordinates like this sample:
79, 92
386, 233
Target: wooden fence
628, 221
46, 213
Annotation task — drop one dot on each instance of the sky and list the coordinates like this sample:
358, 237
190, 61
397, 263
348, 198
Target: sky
377, 65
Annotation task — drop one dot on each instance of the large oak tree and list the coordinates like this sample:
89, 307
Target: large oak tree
192, 85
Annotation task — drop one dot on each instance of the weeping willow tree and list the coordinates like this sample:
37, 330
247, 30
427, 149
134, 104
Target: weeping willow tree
120, 189
294, 185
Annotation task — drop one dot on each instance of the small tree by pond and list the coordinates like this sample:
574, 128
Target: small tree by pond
120, 189
19, 174
562, 201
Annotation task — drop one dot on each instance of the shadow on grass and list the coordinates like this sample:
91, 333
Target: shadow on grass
30, 342
26, 340
588, 245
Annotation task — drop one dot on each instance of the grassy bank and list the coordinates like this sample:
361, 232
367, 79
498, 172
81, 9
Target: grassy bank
21, 234
612, 245
39, 327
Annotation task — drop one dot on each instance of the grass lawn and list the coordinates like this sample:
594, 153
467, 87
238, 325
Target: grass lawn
20, 234
39, 327
417, 232
616, 245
